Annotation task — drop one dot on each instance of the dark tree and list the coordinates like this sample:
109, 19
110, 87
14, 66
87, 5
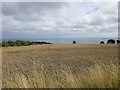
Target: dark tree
102, 42
11, 43
111, 41
74, 42
118, 41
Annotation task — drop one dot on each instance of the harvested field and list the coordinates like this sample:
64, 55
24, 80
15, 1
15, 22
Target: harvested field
60, 66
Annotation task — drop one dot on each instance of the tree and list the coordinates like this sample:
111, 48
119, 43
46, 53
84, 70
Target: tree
18, 42
74, 42
29, 43
118, 41
0, 44
34, 42
111, 41
5, 44
24, 43
11, 43
102, 42
48, 43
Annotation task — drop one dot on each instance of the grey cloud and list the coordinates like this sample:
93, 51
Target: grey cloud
30, 11
57, 17
10, 8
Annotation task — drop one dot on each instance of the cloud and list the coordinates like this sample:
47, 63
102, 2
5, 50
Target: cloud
58, 17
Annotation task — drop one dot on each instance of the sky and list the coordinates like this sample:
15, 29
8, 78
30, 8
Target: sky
30, 20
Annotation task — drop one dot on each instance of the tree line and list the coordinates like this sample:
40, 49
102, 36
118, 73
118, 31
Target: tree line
22, 43
111, 41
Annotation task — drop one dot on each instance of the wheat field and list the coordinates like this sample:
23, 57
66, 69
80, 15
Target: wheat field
60, 66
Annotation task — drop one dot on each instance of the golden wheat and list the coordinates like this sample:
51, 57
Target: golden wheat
60, 66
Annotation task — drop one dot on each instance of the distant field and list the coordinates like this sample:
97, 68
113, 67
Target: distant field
61, 66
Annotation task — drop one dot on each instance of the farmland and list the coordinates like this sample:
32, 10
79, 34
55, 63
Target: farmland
60, 66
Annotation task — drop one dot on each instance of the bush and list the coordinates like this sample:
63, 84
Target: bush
30, 43
0, 44
11, 43
5, 44
18, 42
22, 43
25, 43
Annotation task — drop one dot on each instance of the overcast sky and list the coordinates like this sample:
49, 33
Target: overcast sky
59, 20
